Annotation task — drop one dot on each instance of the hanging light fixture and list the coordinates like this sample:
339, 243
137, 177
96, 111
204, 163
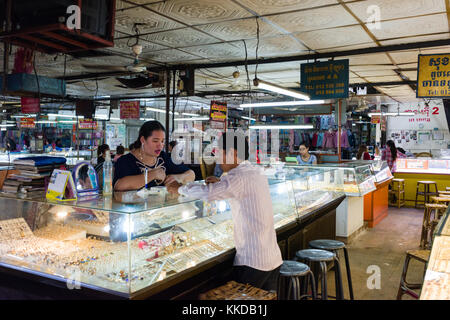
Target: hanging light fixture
261, 84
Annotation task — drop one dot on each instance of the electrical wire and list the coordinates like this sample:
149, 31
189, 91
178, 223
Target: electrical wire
257, 47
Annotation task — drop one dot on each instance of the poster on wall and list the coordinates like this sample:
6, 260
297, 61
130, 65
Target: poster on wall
27, 123
218, 115
129, 110
433, 76
87, 124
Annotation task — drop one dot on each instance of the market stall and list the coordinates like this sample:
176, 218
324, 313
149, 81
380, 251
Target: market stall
428, 169
161, 247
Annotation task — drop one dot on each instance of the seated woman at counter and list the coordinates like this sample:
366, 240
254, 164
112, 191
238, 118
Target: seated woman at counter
148, 165
363, 153
305, 157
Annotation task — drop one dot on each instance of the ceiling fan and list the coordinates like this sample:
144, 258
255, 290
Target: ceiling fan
135, 67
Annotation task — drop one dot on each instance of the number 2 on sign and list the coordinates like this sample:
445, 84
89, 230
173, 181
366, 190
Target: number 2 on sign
435, 110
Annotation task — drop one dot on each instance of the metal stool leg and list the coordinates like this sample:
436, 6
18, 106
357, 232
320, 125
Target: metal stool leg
417, 195
323, 268
338, 280
401, 289
349, 276
313, 285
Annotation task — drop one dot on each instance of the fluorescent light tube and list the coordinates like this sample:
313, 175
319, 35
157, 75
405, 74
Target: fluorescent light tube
7, 125
159, 110
193, 119
247, 118
146, 119
272, 87
281, 104
190, 114
393, 114
46, 121
283, 127
67, 121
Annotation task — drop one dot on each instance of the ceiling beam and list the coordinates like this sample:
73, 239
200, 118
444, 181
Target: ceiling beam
314, 56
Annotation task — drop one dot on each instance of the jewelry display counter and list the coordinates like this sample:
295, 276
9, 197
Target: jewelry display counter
376, 203
422, 169
161, 247
355, 180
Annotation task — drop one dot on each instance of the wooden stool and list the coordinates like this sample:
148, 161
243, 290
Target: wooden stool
426, 193
428, 223
441, 200
447, 188
397, 192
405, 287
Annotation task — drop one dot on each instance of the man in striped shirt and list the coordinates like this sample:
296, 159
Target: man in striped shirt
258, 257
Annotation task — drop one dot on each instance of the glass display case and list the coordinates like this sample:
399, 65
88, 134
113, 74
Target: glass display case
379, 168
126, 245
352, 179
423, 165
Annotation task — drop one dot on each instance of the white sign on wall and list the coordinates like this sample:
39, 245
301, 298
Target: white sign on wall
426, 130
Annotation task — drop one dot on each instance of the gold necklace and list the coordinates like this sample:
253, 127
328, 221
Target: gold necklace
142, 159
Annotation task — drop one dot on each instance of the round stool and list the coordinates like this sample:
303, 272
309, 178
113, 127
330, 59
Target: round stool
320, 258
428, 223
426, 193
293, 272
398, 192
334, 246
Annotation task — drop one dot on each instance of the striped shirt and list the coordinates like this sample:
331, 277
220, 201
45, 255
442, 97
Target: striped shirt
247, 190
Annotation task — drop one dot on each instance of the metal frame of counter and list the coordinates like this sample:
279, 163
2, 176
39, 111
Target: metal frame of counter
319, 223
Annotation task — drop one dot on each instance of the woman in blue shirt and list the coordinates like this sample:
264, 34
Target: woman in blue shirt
305, 157
148, 158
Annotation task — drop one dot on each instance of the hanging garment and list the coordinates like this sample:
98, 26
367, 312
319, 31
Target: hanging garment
351, 138
329, 140
323, 123
314, 139
291, 140
344, 139
320, 139
296, 138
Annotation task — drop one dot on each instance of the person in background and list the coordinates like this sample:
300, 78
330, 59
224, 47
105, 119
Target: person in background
120, 151
59, 143
406, 153
101, 153
148, 158
131, 147
10, 144
390, 155
172, 145
258, 256
363, 153
305, 157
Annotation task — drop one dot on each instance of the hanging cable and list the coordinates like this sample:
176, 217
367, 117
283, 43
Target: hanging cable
257, 47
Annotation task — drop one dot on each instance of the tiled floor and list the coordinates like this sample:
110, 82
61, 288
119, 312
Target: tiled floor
384, 246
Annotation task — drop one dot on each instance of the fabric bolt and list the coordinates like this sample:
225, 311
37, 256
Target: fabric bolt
247, 190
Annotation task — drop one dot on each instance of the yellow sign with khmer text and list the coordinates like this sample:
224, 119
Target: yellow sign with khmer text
433, 76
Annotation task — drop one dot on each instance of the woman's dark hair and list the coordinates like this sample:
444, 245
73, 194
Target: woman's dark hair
231, 140
401, 150
172, 143
361, 150
120, 150
391, 145
147, 130
306, 144
131, 147
101, 149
